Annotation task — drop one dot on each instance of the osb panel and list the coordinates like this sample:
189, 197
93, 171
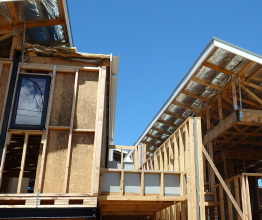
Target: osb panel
55, 161
62, 99
38, 168
4, 83
81, 163
85, 114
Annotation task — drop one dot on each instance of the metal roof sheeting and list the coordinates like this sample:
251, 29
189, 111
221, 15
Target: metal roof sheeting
219, 53
37, 11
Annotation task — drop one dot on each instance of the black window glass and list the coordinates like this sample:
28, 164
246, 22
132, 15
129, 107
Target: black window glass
30, 103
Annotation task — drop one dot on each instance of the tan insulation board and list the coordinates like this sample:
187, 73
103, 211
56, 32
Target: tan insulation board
85, 114
62, 99
38, 168
4, 83
81, 163
55, 161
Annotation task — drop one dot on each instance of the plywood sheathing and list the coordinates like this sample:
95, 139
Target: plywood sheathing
85, 113
60, 52
81, 163
55, 161
62, 99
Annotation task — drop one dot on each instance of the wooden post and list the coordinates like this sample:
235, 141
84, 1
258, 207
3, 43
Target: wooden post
220, 112
43, 157
98, 130
181, 151
171, 155
16, 43
200, 169
248, 199
226, 176
144, 153
189, 182
243, 196
22, 164
121, 183
222, 206
142, 187
7, 142
138, 159
192, 168
237, 196
234, 92
176, 161
229, 204
69, 147
121, 159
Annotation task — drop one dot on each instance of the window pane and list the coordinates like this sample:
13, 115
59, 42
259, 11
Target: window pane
31, 101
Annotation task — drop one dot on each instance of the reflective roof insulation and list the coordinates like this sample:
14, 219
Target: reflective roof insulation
202, 81
47, 21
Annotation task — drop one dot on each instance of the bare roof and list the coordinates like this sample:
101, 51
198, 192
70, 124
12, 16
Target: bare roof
210, 73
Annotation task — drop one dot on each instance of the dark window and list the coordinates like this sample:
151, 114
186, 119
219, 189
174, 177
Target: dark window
30, 104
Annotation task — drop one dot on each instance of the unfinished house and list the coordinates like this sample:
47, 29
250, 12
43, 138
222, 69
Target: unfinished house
199, 158
56, 114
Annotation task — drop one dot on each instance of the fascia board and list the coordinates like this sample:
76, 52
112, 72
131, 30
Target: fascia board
238, 50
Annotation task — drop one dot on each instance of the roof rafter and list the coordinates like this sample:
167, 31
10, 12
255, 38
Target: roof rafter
12, 12
207, 84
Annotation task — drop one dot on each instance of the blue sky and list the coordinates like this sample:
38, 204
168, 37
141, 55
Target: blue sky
158, 41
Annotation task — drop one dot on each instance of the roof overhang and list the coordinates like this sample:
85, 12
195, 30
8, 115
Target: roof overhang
224, 50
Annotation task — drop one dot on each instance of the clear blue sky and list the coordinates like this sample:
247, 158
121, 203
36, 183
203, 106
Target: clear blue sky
158, 41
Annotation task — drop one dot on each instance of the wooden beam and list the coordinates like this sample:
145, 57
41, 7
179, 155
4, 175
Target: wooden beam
150, 144
211, 163
186, 107
217, 68
12, 12
175, 115
206, 84
220, 128
234, 93
161, 131
19, 186
6, 36
252, 85
243, 71
98, 130
239, 142
243, 134
220, 107
254, 74
69, 146
167, 123
195, 96
156, 138
251, 93
122, 147
34, 25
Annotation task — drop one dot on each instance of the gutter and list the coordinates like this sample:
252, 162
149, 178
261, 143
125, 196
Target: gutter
114, 62
68, 24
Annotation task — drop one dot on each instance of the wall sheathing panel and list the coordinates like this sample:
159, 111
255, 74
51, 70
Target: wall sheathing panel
55, 161
85, 113
62, 99
81, 163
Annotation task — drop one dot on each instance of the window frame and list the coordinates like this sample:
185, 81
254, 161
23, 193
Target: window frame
16, 100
